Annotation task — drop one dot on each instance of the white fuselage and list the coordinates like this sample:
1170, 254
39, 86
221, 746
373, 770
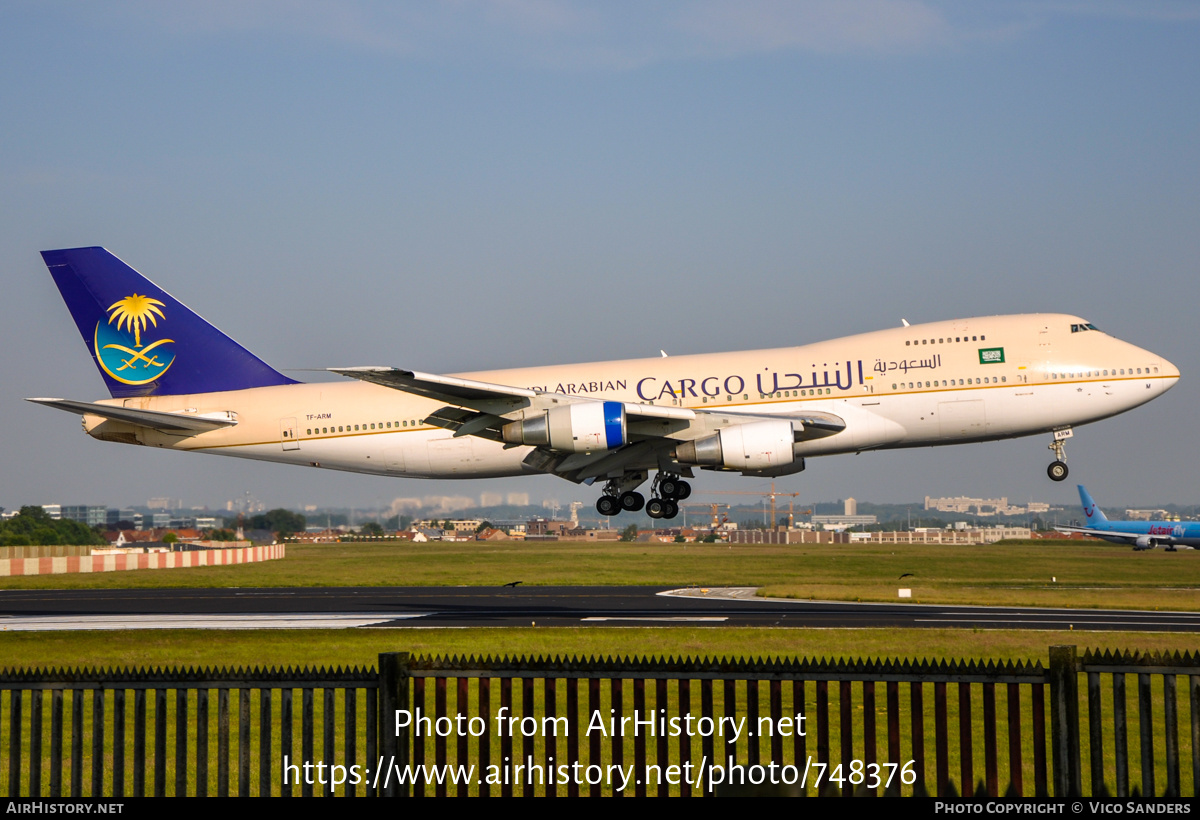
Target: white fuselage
941, 383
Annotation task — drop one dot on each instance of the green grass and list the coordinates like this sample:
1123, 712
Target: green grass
1057, 574
361, 647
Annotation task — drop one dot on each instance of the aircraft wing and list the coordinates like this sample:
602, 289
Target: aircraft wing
1094, 533
174, 423
483, 396
648, 433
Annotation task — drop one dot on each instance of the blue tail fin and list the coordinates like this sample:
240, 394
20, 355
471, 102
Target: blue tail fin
144, 341
1090, 510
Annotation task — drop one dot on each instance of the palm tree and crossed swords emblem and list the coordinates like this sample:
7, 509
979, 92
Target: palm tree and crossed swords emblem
133, 314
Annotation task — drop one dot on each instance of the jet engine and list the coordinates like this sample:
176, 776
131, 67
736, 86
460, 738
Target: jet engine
583, 427
758, 447
1144, 542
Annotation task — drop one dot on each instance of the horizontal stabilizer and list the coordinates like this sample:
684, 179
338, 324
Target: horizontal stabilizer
179, 423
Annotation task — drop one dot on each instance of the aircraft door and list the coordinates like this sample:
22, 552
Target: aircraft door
287, 434
962, 419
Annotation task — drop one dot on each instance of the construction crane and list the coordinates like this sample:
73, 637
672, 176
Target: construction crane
717, 519
772, 494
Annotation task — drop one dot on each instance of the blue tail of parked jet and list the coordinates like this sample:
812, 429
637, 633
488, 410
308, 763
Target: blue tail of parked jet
1090, 510
144, 341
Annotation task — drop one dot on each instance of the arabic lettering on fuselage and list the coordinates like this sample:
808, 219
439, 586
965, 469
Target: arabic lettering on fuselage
652, 388
883, 367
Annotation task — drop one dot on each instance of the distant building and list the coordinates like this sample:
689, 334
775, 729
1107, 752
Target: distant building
787, 537
841, 522
977, 506
91, 515
851, 507
1149, 515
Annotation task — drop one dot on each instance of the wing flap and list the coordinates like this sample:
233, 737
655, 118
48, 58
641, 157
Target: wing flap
480, 396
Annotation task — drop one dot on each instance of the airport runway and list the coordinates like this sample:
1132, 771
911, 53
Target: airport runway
351, 607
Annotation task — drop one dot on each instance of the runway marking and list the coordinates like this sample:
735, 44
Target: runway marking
1047, 623
249, 620
665, 619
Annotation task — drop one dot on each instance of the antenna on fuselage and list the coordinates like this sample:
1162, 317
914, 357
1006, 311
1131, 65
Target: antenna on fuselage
904, 322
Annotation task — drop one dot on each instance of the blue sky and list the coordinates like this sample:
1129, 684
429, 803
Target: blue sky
465, 185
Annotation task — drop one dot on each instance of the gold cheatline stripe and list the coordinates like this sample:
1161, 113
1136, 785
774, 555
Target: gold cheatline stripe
314, 438
796, 399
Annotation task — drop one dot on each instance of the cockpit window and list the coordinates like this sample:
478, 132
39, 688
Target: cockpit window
1083, 326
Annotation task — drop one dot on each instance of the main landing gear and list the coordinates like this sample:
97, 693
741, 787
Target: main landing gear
1058, 468
666, 493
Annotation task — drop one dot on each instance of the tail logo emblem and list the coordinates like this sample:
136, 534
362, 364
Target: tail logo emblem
119, 345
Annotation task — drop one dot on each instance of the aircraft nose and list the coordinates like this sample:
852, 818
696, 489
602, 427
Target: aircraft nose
1169, 374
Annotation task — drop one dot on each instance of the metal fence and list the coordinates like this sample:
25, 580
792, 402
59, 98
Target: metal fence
554, 726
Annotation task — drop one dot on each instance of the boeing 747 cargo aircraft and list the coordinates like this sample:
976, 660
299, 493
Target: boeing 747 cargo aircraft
1141, 535
178, 382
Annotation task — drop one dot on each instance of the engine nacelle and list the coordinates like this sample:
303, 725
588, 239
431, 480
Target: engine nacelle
755, 446
1144, 542
584, 427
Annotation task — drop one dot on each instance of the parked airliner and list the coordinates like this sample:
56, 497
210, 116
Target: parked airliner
1141, 535
178, 382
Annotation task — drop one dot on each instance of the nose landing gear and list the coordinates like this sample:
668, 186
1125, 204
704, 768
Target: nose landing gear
1058, 468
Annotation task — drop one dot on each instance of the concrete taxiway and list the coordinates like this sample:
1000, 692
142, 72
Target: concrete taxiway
357, 607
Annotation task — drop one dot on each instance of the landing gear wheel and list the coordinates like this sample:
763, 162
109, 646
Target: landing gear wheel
683, 491
607, 505
1057, 471
669, 487
656, 508
632, 501
671, 509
